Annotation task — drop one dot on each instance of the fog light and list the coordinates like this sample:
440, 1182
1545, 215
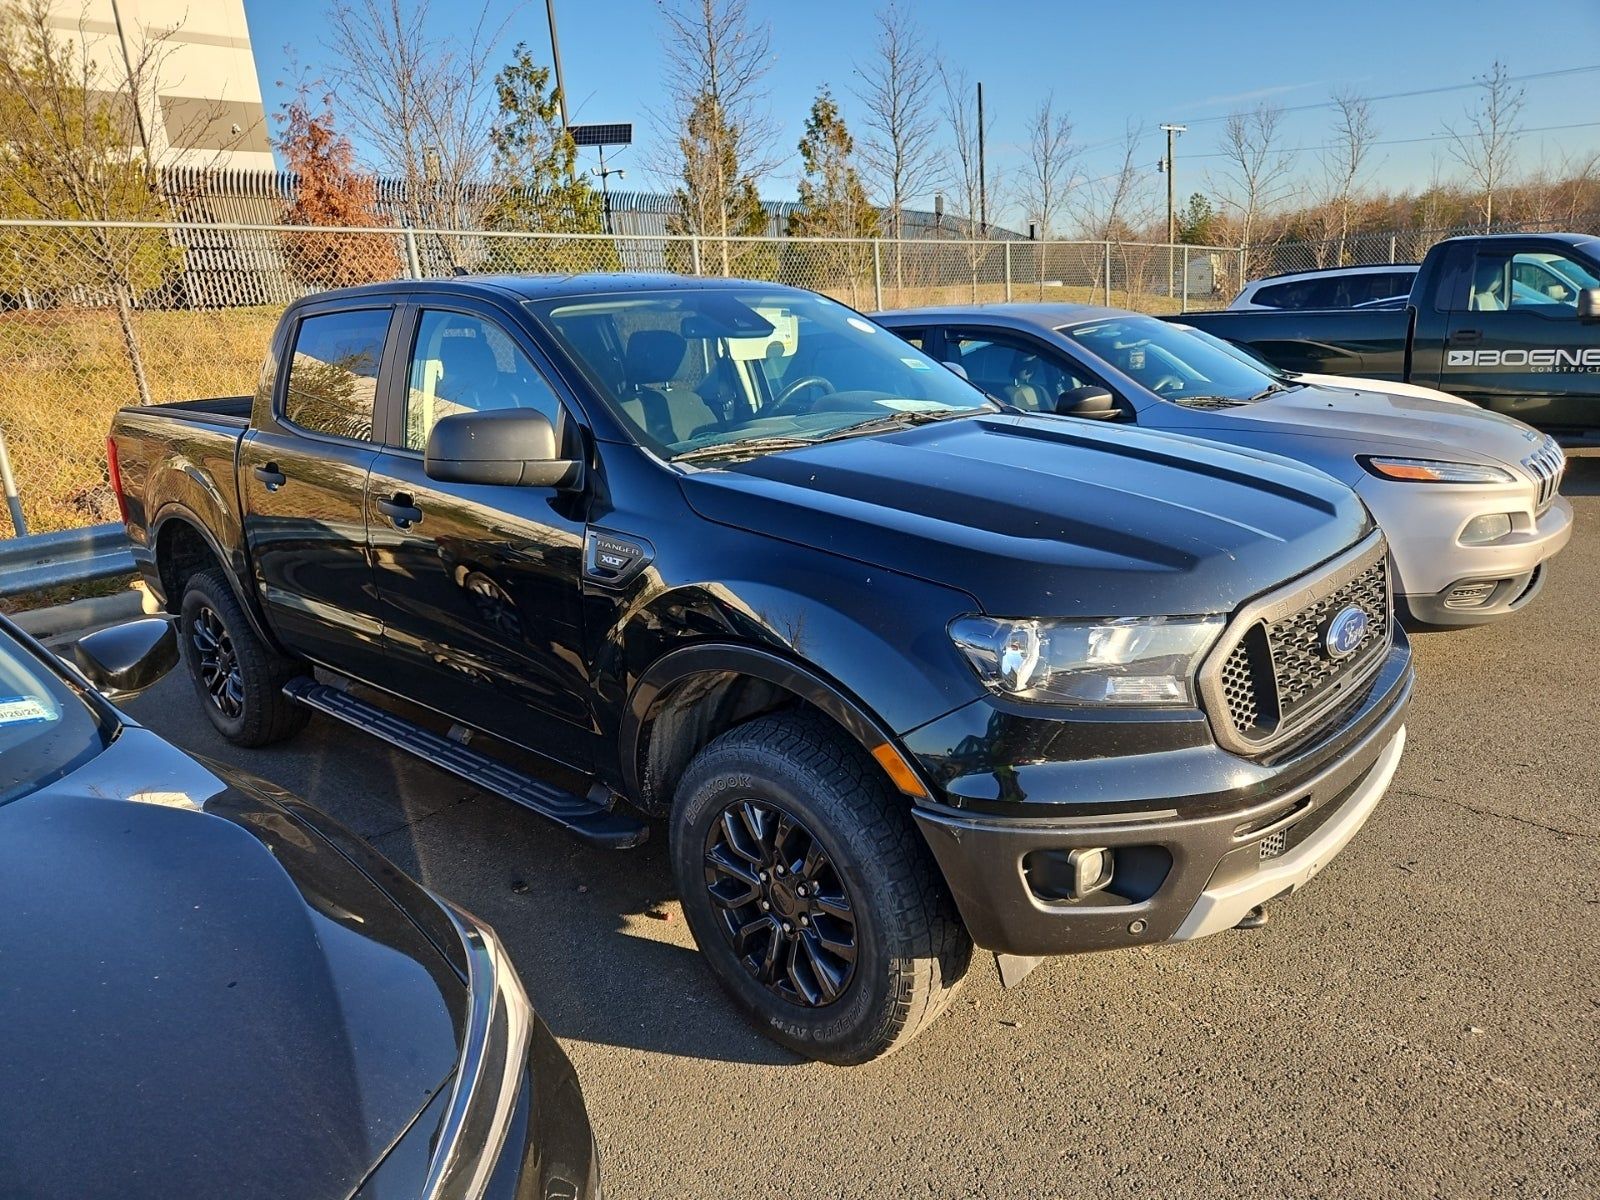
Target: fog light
1091, 870
1490, 527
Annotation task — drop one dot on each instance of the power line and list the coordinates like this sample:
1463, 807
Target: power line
1429, 91
1434, 137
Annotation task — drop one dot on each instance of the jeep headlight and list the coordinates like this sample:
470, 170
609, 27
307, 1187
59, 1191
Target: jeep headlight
1427, 470
1124, 661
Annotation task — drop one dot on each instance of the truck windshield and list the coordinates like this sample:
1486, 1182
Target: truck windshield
1174, 364
46, 729
718, 372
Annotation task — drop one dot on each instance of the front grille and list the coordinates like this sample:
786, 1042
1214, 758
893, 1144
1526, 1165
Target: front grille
1301, 665
1277, 677
1546, 464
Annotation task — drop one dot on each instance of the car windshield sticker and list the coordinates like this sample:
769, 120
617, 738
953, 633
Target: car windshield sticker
862, 324
916, 364
26, 710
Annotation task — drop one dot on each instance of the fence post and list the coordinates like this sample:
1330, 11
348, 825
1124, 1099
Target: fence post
877, 273
1185, 280
694, 253
1008, 272
413, 263
1391, 247
1107, 248
19, 523
1242, 253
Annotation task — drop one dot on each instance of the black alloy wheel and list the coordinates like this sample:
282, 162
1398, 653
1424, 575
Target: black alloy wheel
217, 662
781, 903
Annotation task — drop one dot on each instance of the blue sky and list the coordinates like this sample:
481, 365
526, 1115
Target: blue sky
1149, 60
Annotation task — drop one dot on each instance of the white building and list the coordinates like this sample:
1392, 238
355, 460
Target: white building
203, 106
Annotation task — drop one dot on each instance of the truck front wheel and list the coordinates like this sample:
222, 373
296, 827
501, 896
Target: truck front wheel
811, 893
239, 677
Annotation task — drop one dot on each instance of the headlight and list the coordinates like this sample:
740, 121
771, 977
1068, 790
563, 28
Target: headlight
1129, 660
1427, 470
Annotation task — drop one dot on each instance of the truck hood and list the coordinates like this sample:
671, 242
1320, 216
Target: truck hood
1045, 516
202, 997
1377, 422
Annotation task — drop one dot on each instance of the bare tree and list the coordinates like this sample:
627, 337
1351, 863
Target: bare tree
1048, 177
972, 176
423, 103
78, 141
1116, 204
716, 119
1344, 160
1255, 174
898, 91
969, 173
1485, 145
1052, 159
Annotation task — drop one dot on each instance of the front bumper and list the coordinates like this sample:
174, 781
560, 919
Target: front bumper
1439, 581
1175, 876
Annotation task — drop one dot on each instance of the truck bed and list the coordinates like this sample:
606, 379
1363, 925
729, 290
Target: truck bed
222, 410
182, 455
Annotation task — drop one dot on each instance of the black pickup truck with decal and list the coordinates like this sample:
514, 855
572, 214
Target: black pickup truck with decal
1508, 321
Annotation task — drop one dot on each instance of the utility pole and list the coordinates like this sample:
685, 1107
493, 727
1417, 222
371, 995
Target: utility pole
555, 54
1169, 166
983, 179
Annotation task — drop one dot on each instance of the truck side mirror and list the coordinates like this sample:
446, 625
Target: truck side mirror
1090, 402
514, 447
1589, 304
124, 660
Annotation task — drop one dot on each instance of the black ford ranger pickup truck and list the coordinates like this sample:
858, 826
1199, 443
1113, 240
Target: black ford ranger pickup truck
1509, 321
901, 670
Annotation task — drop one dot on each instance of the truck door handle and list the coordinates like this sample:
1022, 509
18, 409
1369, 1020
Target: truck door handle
1466, 337
402, 513
271, 476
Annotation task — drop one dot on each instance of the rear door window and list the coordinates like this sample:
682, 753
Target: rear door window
333, 372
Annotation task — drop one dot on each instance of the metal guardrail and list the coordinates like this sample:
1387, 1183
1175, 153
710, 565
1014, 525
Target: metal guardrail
71, 556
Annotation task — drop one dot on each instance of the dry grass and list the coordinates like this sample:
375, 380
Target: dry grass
64, 372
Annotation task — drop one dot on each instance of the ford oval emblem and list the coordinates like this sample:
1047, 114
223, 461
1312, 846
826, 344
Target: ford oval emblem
1346, 632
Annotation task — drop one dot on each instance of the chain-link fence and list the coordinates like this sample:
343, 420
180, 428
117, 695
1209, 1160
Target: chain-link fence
95, 316
1375, 249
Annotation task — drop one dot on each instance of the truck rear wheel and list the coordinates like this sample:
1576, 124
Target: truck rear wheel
811, 893
239, 677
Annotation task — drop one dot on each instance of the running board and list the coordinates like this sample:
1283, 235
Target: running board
594, 822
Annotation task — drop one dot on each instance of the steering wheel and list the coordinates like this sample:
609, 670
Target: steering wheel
800, 385
1167, 383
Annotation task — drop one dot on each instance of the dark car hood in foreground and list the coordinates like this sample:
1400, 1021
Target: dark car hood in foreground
1039, 516
202, 1002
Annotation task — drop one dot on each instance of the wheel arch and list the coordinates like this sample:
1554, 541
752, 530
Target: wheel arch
182, 546
694, 693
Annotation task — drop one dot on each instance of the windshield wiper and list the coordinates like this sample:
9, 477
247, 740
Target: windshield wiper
761, 445
1210, 401
895, 420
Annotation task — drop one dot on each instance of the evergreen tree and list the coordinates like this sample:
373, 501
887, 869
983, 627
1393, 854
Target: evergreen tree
540, 189
716, 199
833, 202
1198, 224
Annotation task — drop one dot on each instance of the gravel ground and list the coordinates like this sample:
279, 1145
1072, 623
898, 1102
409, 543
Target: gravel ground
1423, 1020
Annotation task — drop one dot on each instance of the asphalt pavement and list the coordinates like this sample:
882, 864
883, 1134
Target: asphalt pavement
1422, 1020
